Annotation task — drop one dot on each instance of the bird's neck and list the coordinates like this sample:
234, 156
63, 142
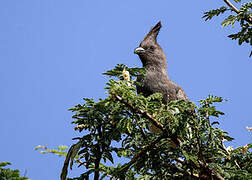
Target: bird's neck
161, 68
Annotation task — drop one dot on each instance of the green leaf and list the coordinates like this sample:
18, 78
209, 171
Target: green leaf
229, 20
5, 163
215, 12
119, 127
8, 174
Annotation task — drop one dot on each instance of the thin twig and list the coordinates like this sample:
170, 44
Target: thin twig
231, 6
98, 154
147, 116
204, 165
229, 154
143, 113
211, 171
100, 170
141, 153
140, 127
177, 169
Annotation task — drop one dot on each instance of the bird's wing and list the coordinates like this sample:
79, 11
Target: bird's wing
171, 91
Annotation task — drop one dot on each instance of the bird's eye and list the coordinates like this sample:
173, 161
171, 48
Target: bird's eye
152, 48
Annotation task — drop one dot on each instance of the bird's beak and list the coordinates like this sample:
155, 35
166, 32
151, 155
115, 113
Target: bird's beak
139, 50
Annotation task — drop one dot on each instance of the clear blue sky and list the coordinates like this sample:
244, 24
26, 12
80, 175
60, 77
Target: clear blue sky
53, 53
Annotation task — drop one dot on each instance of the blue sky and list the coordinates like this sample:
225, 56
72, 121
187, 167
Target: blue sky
53, 53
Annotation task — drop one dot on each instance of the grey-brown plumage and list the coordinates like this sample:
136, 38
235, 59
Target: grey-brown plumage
154, 61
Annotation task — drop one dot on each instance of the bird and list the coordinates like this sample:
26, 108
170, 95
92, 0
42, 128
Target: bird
154, 62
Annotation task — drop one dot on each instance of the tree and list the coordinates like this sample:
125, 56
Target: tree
8, 174
152, 140
187, 143
243, 16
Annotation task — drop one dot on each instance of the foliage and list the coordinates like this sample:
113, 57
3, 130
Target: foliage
243, 16
151, 140
60, 151
8, 174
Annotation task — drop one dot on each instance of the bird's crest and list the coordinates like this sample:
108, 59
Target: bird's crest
152, 35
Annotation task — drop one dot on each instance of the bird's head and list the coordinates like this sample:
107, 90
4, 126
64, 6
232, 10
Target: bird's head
149, 51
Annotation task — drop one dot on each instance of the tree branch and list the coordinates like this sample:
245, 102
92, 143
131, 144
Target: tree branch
147, 116
210, 171
177, 169
98, 154
205, 166
139, 111
232, 6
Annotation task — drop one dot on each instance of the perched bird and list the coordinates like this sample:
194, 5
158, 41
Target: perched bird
156, 79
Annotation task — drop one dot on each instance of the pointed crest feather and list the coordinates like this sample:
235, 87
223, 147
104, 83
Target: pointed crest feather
154, 32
